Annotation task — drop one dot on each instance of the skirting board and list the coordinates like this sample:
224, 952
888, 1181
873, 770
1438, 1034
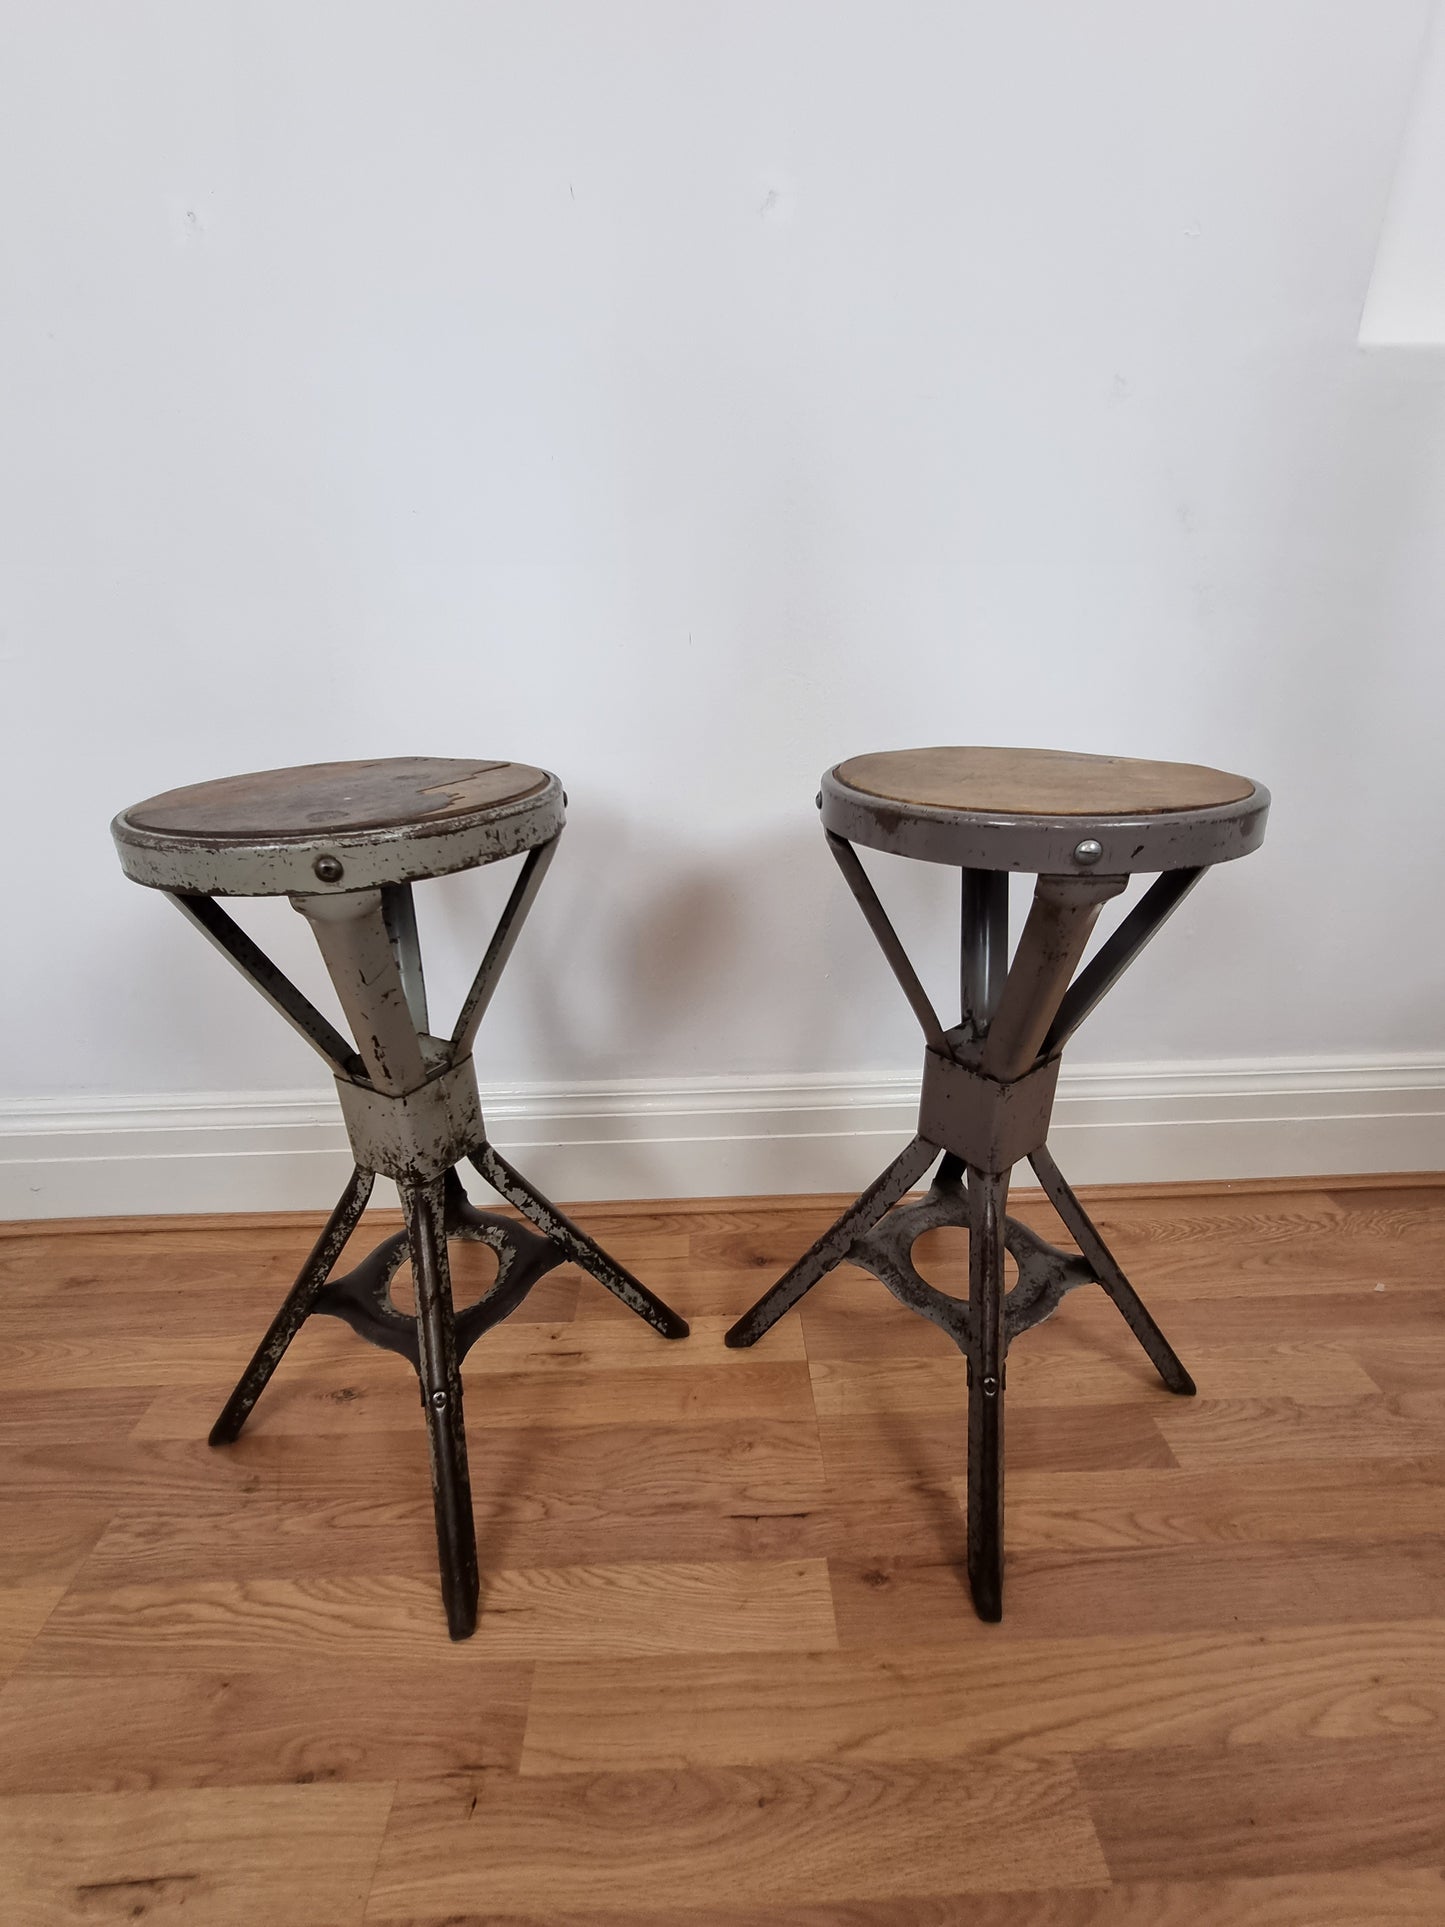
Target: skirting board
709, 1137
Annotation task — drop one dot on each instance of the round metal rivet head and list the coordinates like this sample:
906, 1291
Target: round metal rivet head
1089, 851
990, 1387
328, 869
818, 801
439, 1401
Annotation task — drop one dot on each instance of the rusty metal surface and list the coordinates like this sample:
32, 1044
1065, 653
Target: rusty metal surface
983, 947
1060, 920
418, 1134
351, 933
1105, 1268
494, 959
833, 1247
441, 1391
300, 1303
878, 922
574, 1243
989, 1125
354, 860
363, 1300
989, 1083
410, 1104
274, 985
1103, 971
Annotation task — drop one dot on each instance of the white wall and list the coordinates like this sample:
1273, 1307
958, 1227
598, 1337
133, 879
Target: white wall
685, 396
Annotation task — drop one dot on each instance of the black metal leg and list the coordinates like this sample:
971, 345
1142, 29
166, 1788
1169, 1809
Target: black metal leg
1105, 1267
441, 1390
300, 1301
985, 1395
832, 1248
574, 1242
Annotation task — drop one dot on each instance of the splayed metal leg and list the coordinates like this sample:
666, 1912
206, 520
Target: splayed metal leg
300, 1303
441, 1391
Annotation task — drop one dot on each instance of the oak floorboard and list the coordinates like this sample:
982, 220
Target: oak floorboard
1258, 1431
313, 1720
23, 1611
619, 1841
322, 1399
1154, 1590
247, 1624
46, 1544
930, 1446
1324, 1807
1280, 1502
1042, 1699
1378, 1897
289, 1856
727, 1672
1307, 1372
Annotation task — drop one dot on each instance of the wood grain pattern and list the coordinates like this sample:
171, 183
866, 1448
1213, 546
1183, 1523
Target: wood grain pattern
1040, 782
810, 1832
727, 1672
291, 1856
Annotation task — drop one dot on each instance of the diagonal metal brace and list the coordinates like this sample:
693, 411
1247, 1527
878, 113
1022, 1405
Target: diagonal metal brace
888, 943
274, 985
509, 928
1102, 972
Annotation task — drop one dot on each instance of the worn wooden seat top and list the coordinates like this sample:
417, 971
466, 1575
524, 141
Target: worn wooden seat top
335, 798
393, 819
1040, 782
1043, 809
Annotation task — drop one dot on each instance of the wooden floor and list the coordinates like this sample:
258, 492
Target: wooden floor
727, 1674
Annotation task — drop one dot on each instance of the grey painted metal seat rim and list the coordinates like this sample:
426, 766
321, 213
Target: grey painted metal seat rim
365, 859
1045, 845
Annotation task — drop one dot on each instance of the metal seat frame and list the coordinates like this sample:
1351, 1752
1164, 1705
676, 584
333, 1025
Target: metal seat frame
412, 1114
988, 1089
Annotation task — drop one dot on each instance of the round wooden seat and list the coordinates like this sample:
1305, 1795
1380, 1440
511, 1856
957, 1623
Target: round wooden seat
337, 826
1043, 811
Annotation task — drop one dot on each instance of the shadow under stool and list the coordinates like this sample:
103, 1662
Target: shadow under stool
346, 842
1082, 826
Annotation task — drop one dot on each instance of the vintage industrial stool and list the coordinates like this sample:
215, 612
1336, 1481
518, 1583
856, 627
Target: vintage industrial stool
1082, 825
346, 841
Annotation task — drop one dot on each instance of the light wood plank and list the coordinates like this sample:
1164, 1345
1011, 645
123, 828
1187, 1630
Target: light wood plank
1378, 1897
1184, 1588
1358, 1500
350, 1395
1257, 1431
1308, 1373
311, 1720
1320, 1807
617, 1842
289, 1856
555, 1609
1015, 1700
23, 1611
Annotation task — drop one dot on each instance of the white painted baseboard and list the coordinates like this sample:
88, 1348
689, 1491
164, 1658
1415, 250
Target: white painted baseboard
709, 1137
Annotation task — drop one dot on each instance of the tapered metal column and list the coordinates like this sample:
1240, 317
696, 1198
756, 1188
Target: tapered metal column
985, 945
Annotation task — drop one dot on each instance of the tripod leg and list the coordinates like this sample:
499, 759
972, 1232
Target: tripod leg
441, 1390
574, 1242
296, 1309
831, 1249
1131, 1306
985, 1395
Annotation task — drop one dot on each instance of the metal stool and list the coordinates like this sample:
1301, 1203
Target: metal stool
1082, 825
346, 841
